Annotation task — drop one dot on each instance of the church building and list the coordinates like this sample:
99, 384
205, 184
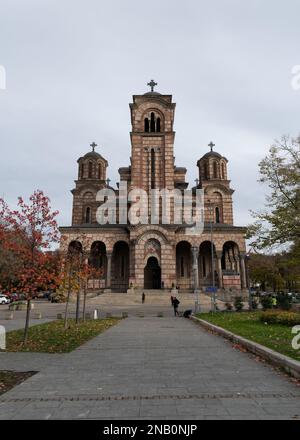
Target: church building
157, 256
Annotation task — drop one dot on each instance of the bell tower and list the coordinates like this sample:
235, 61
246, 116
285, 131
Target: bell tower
213, 179
152, 140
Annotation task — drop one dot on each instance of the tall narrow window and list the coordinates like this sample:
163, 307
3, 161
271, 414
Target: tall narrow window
81, 169
215, 170
223, 171
182, 267
158, 125
217, 215
90, 174
152, 169
99, 171
146, 125
206, 171
152, 123
88, 215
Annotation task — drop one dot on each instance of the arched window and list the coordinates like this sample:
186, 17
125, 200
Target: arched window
217, 215
152, 169
206, 171
152, 123
146, 124
223, 170
90, 174
88, 215
81, 170
158, 125
215, 170
99, 171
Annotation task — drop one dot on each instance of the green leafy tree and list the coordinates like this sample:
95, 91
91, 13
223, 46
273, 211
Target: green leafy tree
279, 222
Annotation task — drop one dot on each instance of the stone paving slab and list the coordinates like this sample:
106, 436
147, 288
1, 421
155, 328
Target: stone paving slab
144, 368
27, 361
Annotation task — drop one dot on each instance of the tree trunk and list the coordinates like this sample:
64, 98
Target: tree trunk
84, 302
77, 305
27, 323
68, 299
67, 308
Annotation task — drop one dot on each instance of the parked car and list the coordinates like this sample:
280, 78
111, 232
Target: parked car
14, 297
20, 296
46, 294
4, 299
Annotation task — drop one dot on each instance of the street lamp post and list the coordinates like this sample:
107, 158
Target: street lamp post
213, 297
248, 281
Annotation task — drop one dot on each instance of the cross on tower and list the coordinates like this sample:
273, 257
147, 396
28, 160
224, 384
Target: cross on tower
93, 145
211, 145
152, 84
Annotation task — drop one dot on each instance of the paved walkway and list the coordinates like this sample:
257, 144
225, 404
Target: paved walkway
114, 303
151, 368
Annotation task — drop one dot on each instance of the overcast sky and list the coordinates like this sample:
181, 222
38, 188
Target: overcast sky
73, 66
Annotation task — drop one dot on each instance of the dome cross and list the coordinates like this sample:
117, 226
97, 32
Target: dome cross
93, 145
211, 145
152, 84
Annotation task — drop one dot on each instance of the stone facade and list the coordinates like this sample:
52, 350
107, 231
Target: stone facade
158, 255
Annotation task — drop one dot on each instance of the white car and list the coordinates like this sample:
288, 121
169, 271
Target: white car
4, 299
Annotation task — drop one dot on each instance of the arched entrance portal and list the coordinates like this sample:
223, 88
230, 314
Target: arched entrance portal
152, 274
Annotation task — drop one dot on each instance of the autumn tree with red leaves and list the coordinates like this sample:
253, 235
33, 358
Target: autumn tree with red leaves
28, 233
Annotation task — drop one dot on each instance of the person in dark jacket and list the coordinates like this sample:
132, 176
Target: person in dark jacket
143, 297
175, 306
187, 313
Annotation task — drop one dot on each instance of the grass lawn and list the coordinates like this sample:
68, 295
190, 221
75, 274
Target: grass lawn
247, 324
53, 338
9, 379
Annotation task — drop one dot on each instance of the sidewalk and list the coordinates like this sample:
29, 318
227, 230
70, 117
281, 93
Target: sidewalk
152, 367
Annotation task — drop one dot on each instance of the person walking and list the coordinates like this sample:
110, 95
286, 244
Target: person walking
143, 297
175, 306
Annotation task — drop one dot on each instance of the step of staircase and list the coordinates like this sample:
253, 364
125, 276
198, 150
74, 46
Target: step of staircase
152, 297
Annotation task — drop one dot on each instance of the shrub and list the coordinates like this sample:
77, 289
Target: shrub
238, 303
254, 304
266, 302
280, 317
284, 301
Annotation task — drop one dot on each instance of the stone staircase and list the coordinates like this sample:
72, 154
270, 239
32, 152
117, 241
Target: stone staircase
159, 298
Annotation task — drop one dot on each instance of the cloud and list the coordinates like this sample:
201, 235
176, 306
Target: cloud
72, 67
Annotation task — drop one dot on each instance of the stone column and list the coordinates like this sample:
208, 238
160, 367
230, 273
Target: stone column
243, 270
195, 253
108, 272
238, 266
132, 245
219, 268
